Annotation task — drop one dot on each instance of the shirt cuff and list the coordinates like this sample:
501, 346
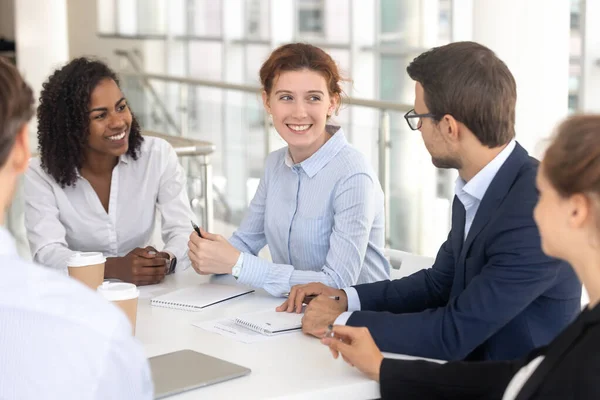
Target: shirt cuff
252, 272
353, 299
237, 267
343, 318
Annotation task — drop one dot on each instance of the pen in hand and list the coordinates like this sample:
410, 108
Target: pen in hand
329, 333
309, 298
196, 228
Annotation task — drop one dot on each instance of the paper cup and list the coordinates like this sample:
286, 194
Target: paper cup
87, 268
124, 295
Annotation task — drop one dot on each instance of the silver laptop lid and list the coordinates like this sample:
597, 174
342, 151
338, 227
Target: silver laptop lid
184, 370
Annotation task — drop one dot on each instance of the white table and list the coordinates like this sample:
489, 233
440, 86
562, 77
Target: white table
290, 366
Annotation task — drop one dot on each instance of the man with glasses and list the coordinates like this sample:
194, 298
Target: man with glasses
491, 293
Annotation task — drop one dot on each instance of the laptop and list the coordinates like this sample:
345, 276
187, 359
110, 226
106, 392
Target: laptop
185, 370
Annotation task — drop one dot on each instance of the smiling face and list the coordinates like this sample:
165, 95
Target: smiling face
110, 119
300, 104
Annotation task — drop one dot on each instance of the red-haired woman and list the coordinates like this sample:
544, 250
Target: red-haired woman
319, 205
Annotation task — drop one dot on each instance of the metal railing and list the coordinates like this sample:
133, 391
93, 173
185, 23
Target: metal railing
384, 107
199, 153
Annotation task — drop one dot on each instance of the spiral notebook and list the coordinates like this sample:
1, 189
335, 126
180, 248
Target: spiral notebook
271, 322
199, 297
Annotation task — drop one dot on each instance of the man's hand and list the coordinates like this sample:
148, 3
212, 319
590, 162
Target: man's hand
299, 292
358, 349
320, 313
211, 254
140, 266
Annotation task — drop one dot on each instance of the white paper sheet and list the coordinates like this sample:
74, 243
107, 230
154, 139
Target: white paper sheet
150, 291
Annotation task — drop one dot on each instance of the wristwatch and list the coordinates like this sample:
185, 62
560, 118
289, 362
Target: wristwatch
172, 265
237, 268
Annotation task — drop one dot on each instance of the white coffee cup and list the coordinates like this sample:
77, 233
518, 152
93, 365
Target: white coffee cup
87, 268
124, 295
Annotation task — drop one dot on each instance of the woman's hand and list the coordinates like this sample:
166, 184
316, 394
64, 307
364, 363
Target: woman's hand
140, 266
211, 254
357, 348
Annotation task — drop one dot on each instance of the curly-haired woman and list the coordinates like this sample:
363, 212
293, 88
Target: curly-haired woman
98, 183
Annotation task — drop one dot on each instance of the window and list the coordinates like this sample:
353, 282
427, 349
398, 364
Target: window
311, 17
253, 18
575, 14
257, 19
573, 103
575, 57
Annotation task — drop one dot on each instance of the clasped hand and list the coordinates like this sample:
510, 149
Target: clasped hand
211, 254
140, 266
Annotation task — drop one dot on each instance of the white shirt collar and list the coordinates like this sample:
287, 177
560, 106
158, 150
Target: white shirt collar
288, 159
316, 162
8, 246
479, 184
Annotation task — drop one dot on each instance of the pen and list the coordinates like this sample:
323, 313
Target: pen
196, 228
329, 333
308, 299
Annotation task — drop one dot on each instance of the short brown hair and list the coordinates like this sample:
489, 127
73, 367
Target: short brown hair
16, 106
297, 56
572, 161
469, 82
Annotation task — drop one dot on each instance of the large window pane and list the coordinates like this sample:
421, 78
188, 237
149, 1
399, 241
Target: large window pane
257, 19
205, 17
311, 17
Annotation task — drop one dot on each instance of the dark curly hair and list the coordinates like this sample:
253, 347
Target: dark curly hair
63, 118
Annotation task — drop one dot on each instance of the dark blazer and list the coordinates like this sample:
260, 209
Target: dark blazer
570, 370
493, 296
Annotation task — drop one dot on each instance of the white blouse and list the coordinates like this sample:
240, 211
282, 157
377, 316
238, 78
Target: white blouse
520, 378
61, 221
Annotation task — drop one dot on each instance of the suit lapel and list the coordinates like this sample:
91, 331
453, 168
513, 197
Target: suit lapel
458, 227
458, 235
498, 189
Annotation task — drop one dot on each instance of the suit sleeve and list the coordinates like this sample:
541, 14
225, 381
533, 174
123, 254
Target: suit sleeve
425, 289
515, 274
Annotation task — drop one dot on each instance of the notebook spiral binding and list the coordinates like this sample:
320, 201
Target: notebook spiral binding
174, 305
251, 326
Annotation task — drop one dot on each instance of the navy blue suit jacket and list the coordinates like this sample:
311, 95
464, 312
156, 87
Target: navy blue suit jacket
493, 296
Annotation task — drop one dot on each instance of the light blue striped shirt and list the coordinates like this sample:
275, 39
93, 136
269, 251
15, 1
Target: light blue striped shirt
323, 220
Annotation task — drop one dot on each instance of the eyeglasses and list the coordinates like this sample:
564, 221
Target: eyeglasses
414, 120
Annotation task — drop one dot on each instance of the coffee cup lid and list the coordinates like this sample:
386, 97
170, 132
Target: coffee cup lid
116, 291
85, 259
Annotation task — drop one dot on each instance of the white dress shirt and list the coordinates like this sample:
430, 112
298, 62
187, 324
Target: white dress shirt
59, 340
60, 221
470, 195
